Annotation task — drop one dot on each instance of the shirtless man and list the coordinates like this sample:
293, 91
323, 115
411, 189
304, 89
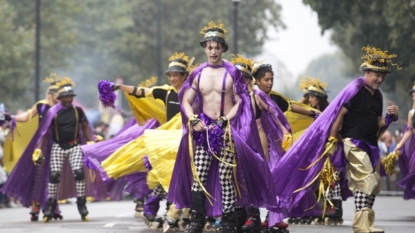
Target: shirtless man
215, 103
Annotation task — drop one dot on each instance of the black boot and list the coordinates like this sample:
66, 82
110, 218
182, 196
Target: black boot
50, 209
198, 213
81, 201
253, 223
240, 214
228, 223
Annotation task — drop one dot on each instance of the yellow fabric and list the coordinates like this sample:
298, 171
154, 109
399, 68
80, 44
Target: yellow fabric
162, 156
36, 155
299, 123
361, 222
145, 109
129, 158
359, 170
13, 149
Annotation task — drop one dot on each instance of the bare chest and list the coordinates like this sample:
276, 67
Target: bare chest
215, 80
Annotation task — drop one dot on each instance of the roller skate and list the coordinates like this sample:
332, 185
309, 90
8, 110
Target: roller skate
34, 212
253, 223
210, 224
227, 223
81, 201
49, 212
170, 225
172, 218
334, 215
318, 220
280, 227
197, 223
184, 224
301, 220
139, 207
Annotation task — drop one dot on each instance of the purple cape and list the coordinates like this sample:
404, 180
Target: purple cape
407, 166
21, 182
272, 129
304, 152
98, 152
252, 172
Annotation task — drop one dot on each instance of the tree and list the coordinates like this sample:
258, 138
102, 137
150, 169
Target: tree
386, 24
15, 48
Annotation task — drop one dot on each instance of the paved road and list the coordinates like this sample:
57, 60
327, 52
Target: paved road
393, 214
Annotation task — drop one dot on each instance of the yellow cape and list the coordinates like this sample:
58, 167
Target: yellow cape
129, 158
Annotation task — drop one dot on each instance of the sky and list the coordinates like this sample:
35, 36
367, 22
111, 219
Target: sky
300, 43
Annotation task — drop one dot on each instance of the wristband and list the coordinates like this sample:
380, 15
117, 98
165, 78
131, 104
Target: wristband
194, 119
222, 122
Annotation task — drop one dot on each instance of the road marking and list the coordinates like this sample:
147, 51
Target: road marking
109, 225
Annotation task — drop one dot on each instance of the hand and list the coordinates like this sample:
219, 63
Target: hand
90, 142
7, 116
98, 138
196, 123
331, 146
115, 86
222, 122
37, 157
397, 147
392, 109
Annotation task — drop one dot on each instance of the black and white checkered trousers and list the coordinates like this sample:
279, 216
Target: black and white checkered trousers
334, 191
202, 162
158, 191
57, 158
362, 199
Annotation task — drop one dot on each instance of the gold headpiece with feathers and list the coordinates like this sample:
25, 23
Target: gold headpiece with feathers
213, 29
66, 81
191, 68
376, 60
243, 64
148, 82
53, 80
413, 90
315, 86
179, 62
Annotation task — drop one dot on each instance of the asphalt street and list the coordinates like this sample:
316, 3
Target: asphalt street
393, 214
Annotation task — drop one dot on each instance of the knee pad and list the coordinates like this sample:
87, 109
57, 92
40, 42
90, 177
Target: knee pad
79, 174
54, 177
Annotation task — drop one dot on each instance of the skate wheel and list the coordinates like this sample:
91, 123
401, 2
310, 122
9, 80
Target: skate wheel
138, 214
166, 227
45, 219
208, 227
34, 218
85, 218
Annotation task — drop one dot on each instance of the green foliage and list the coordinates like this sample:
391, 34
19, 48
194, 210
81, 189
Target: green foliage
387, 24
91, 40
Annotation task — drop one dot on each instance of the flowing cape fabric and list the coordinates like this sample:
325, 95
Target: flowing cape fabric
95, 153
289, 172
147, 108
21, 182
128, 159
252, 172
407, 166
272, 129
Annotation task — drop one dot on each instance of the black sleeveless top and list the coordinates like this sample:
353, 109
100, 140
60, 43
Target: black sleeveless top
42, 109
413, 120
257, 110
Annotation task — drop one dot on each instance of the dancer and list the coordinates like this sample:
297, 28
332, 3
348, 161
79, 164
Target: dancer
357, 113
217, 116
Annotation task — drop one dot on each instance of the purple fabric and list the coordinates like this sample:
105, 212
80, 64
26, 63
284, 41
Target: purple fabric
137, 184
106, 94
372, 151
21, 183
147, 163
95, 153
272, 129
152, 205
252, 172
215, 135
304, 152
407, 167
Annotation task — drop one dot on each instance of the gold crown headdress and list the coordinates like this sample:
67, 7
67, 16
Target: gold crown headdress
376, 60
215, 32
53, 80
179, 63
66, 86
259, 65
243, 64
148, 82
213, 29
314, 86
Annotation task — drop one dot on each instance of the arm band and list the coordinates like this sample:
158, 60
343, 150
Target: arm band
141, 95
